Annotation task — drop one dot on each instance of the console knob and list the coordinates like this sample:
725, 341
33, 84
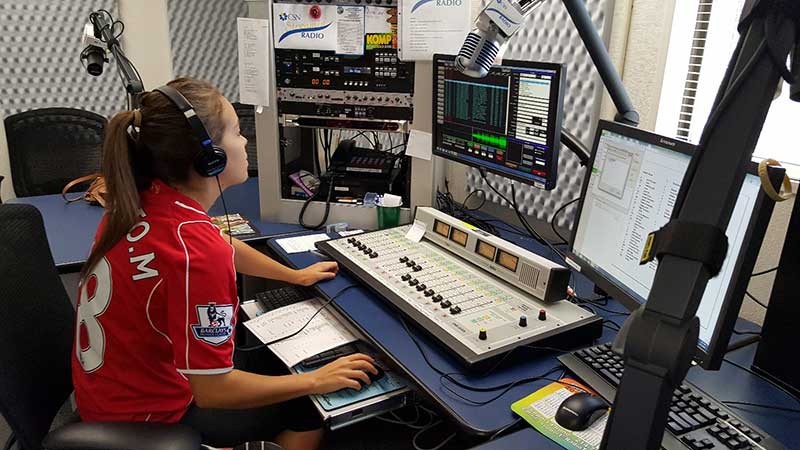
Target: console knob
403, 259
482, 334
542, 314
523, 321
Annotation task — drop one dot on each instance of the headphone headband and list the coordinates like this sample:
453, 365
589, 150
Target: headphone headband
211, 160
188, 111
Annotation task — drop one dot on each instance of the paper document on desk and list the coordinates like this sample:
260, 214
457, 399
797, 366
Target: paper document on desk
539, 410
301, 244
325, 332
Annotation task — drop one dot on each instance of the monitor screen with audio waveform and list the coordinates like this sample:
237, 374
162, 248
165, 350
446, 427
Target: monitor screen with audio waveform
508, 122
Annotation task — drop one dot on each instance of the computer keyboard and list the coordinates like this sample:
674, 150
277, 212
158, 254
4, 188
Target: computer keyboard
284, 296
696, 421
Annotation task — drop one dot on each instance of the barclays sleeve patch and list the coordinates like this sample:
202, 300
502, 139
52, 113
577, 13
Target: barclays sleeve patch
215, 325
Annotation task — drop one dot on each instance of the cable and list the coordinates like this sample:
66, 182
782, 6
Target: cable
437, 447
319, 310
521, 218
308, 201
758, 405
763, 272
781, 388
555, 215
225, 208
755, 300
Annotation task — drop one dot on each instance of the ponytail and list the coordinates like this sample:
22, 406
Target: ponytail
165, 147
122, 205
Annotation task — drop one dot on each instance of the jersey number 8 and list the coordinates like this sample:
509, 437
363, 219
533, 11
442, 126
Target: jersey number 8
90, 354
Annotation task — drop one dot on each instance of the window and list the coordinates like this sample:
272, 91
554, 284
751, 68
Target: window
701, 43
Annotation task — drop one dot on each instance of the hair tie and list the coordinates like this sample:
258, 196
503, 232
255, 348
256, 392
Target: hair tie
137, 118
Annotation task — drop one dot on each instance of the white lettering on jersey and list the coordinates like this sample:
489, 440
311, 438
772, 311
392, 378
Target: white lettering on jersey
135, 237
92, 353
144, 271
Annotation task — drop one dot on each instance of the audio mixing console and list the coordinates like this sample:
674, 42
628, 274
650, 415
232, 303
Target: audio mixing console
477, 294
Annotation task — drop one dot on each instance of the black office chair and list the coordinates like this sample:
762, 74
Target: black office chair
50, 147
247, 125
37, 332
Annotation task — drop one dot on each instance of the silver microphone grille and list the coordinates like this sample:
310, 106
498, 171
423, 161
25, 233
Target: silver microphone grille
477, 54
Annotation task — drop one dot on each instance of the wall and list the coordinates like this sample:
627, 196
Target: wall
146, 40
55, 77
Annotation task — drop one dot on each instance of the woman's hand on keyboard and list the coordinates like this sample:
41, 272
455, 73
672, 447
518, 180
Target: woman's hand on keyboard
346, 372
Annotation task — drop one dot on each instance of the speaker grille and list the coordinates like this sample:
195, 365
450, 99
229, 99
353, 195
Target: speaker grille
529, 275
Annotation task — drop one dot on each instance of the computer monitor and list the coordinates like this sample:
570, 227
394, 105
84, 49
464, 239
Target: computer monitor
508, 122
629, 192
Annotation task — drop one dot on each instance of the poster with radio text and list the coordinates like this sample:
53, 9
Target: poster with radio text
432, 26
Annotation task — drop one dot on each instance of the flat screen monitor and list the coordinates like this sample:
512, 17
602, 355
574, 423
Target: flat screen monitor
508, 122
631, 191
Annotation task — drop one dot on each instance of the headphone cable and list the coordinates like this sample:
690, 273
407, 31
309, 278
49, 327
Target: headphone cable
225, 208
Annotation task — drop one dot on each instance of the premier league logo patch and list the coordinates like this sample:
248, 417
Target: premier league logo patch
215, 323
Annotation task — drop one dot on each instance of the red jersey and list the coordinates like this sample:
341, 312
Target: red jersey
161, 304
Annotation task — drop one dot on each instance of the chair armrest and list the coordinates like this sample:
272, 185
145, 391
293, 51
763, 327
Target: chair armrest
122, 436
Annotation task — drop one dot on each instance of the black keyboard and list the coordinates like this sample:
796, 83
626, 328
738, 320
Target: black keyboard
285, 296
696, 421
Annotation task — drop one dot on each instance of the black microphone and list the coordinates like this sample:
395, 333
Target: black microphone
94, 53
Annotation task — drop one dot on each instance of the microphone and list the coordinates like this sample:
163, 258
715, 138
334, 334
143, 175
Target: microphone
498, 21
94, 53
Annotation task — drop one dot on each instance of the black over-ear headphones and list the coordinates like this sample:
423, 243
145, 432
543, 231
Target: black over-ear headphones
211, 160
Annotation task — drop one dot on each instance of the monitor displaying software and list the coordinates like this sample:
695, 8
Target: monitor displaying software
631, 191
508, 122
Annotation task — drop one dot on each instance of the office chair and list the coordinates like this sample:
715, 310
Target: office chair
49, 147
37, 332
247, 125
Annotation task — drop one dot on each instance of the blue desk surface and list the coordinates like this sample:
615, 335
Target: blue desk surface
71, 227
382, 325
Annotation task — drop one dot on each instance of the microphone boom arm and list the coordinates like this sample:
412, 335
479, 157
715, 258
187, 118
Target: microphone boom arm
602, 61
127, 72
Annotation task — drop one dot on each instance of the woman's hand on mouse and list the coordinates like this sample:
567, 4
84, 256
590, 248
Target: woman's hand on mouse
346, 372
320, 271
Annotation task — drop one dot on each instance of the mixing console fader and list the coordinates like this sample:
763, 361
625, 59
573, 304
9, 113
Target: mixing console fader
477, 294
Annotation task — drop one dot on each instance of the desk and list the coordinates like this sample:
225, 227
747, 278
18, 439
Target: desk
71, 227
381, 324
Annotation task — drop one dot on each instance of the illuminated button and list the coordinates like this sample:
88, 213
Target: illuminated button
542, 314
482, 334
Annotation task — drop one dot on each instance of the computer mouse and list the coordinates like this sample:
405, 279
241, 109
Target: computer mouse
373, 377
580, 410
